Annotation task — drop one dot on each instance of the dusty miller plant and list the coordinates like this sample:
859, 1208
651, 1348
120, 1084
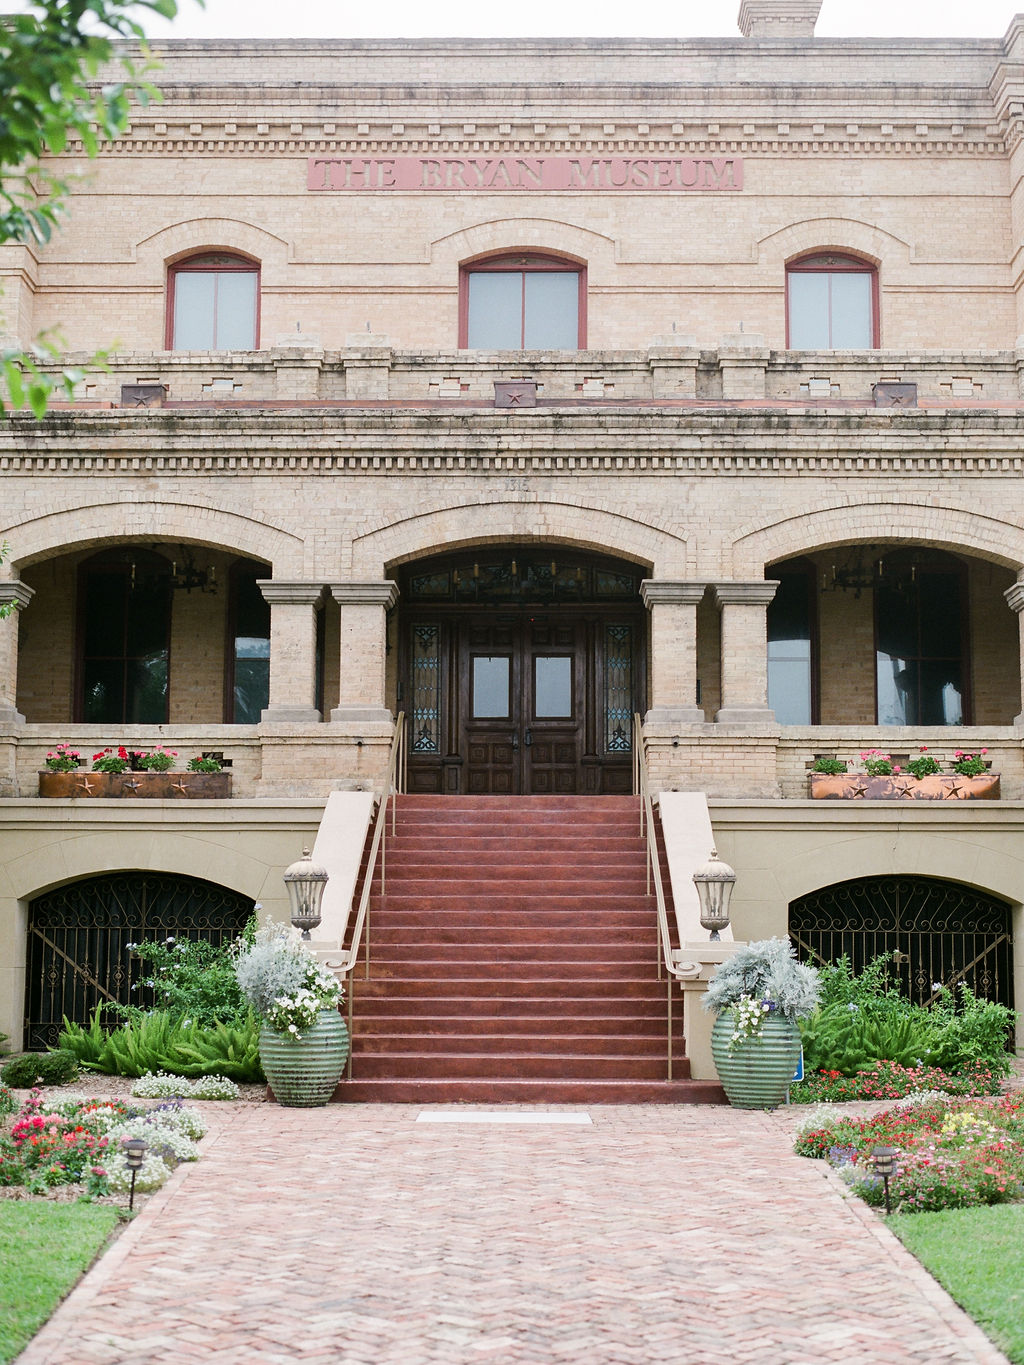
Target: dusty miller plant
283, 981
762, 971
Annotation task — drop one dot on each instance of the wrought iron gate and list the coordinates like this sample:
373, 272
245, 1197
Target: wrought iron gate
938, 932
78, 938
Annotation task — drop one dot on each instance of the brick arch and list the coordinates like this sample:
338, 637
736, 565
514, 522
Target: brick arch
99, 524
493, 520
181, 239
832, 234
944, 527
501, 235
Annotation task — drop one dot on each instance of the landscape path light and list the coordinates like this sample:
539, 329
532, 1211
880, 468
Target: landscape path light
884, 1159
134, 1155
305, 881
714, 881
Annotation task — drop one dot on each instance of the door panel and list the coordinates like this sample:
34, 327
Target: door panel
520, 701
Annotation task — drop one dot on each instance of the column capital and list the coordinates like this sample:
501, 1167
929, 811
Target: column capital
1015, 597
281, 592
676, 591
378, 594
745, 594
16, 592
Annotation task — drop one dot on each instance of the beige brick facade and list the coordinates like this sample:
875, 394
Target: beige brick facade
689, 442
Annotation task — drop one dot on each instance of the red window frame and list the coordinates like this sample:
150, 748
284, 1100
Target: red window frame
210, 262
820, 262
528, 262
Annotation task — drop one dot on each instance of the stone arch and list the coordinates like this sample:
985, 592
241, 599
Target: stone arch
493, 519
176, 853
940, 525
92, 525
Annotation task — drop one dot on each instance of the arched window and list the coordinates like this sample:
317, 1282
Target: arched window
213, 303
831, 303
920, 629
523, 301
124, 628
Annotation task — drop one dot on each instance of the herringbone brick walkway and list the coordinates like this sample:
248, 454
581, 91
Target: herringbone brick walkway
355, 1234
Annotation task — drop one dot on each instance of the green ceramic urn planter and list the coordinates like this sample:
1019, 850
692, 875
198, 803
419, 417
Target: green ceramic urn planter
303, 1072
756, 1072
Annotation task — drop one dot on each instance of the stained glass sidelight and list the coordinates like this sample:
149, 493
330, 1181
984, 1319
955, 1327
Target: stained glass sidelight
618, 689
426, 690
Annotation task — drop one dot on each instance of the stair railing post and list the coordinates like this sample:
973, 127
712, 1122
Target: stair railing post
348, 1064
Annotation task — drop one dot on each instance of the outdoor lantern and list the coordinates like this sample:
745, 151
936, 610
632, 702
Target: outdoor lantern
884, 1159
305, 882
714, 881
134, 1155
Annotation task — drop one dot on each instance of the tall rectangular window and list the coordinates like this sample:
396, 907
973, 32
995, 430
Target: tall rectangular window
214, 304
522, 303
830, 304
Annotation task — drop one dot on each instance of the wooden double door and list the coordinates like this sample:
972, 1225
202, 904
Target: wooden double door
512, 701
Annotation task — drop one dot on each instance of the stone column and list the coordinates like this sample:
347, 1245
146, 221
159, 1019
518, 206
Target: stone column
673, 664
744, 608
364, 608
18, 595
1015, 599
292, 651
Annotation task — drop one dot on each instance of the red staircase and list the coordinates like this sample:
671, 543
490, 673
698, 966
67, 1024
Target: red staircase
514, 957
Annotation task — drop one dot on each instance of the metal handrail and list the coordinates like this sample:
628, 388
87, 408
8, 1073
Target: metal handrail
394, 785
642, 788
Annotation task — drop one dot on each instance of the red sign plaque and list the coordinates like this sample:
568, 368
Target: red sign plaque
635, 174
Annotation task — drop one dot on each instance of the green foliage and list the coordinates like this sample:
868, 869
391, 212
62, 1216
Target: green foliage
50, 58
204, 763
8, 1103
192, 979
863, 1020
161, 1042
832, 767
47, 1068
767, 970
924, 765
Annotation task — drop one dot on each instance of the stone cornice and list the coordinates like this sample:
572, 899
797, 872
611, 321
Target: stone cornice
672, 592
756, 593
293, 594
669, 441
373, 594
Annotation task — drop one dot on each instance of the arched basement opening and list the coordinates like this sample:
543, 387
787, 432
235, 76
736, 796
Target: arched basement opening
939, 933
78, 936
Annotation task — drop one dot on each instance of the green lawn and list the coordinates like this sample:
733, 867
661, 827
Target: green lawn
44, 1248
978, 1256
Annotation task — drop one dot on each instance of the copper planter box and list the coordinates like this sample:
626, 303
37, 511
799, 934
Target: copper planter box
900, 787
169, 786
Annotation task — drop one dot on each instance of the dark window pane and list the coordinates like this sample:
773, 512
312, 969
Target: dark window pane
789, 649
147, 690
941, 697
104, 613
939, 595
252, 689
146, 612
103, 691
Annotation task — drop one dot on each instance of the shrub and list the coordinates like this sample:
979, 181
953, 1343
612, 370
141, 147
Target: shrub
47, 1068
924, 765
764, 971
193, 979
157, 760
833, 767
284, 982
863, 1020
890, 1081
157, 1042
